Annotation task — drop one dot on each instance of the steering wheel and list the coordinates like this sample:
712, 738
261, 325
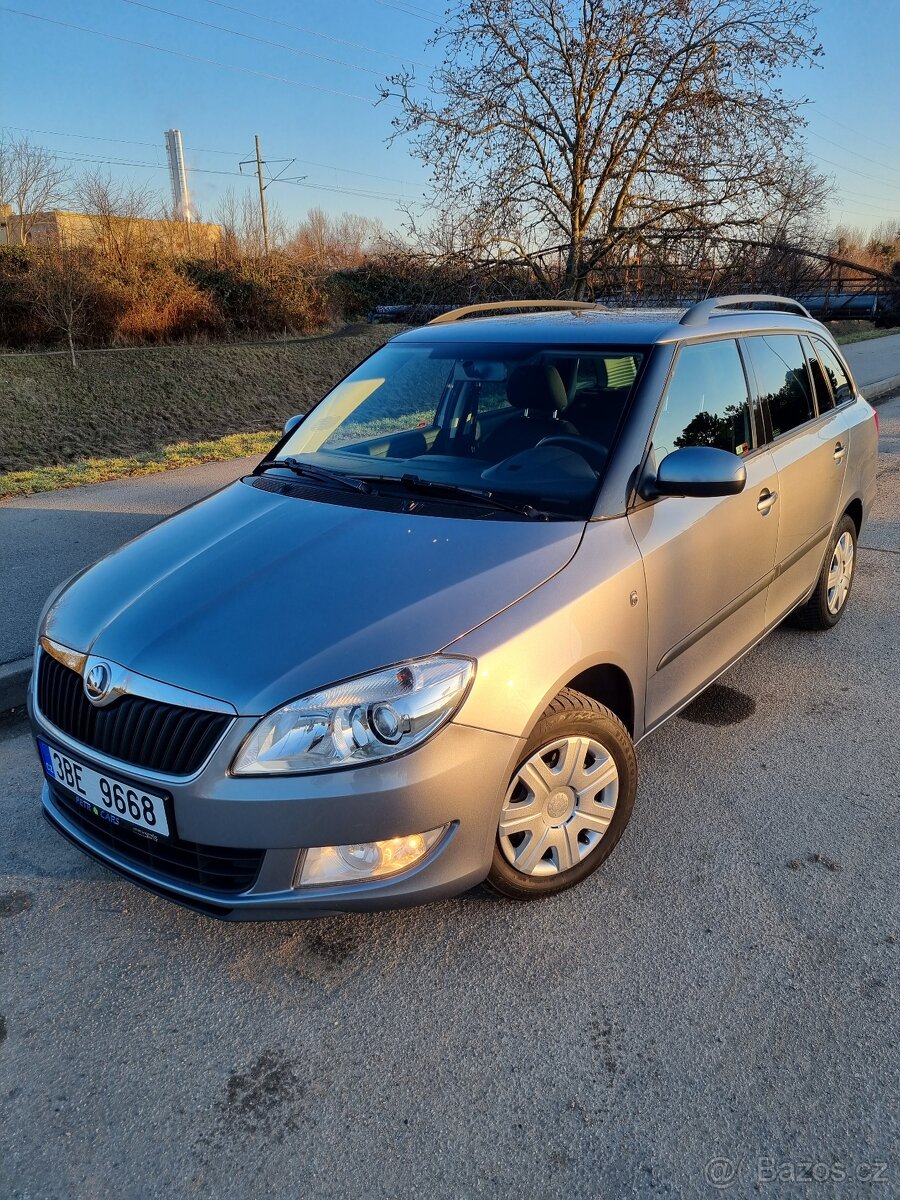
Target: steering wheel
593, 453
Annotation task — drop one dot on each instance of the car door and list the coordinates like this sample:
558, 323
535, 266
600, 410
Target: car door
707, 561
808, 442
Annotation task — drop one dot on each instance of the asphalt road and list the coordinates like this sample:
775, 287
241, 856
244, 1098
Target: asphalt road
48, 537
719, 1003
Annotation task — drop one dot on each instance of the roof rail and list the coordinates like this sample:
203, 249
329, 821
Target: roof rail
701, 312
467, 310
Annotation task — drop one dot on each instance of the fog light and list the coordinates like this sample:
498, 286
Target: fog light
365, 860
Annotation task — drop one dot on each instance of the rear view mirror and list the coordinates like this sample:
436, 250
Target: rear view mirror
291, 424
697, 471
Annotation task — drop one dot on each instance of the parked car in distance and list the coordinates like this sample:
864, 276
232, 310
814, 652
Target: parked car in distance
414, 649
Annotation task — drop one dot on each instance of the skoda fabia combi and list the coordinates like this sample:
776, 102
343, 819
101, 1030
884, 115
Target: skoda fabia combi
413, 650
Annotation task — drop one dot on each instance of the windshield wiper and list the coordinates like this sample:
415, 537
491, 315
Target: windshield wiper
487, 498
324, 473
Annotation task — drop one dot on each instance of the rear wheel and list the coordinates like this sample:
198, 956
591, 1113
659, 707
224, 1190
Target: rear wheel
826, 605
568, 801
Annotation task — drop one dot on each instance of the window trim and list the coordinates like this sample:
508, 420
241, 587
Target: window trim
805, 339
851, 382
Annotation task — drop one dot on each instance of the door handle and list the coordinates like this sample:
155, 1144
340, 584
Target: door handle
839, 451
765, 501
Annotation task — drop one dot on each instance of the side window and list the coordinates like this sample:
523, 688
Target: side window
782, 379
706, 403
840, 384
620, 371
587, 377
821, 386
602, 372
492, 396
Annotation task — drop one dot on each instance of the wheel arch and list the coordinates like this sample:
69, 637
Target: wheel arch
607, 684
854, 511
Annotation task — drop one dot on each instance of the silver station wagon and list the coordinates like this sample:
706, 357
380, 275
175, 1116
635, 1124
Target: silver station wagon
414, 649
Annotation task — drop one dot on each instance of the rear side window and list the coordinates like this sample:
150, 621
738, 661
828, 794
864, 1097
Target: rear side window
821, 386
706, 403
782, 380
840, 384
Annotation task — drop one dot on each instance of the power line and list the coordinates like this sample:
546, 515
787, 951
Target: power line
846, 150
852, 170
411, 10
250, 37
112, 37
888, 212
328, 37
858, 132
317, 187
307, 162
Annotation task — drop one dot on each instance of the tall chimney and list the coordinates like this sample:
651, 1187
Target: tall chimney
181, 196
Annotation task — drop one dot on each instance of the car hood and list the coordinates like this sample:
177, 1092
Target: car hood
254, 597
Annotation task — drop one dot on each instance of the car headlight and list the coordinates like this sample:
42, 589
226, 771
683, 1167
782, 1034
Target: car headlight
363, 720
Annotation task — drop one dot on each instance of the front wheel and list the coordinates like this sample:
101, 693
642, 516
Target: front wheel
826, 605
568, 801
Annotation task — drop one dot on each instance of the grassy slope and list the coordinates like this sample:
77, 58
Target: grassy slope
130, 404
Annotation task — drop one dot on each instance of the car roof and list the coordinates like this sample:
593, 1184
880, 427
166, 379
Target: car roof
614, 327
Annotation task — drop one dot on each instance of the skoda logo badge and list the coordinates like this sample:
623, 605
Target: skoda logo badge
97, 681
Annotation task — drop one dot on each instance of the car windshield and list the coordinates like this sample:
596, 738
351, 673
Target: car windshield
530, 427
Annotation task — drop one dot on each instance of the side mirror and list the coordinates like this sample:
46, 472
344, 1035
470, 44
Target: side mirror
291, 424
697, 471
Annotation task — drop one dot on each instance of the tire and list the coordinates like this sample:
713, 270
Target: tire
827, 604
576, 741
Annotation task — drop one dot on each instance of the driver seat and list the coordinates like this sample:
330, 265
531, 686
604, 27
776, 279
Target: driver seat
537, 391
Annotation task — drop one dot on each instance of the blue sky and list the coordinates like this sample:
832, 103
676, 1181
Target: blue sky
95, 98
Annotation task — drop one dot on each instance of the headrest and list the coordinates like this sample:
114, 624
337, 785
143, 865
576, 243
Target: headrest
536, 386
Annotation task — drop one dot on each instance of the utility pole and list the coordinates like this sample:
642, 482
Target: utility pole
262, 200
280, 177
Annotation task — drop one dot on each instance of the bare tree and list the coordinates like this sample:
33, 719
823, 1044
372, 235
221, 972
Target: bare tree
335, 243
115, 211
590, 123
241, 224
31, 182
60, 286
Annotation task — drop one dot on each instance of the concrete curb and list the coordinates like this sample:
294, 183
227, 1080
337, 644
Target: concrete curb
14, 678
882, 389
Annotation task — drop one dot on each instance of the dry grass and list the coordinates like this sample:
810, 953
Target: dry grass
859, 335
142, 410
98, 470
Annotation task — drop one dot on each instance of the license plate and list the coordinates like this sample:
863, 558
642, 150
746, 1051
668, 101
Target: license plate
105, 797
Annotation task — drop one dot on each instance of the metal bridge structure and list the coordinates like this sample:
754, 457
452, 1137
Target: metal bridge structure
661, 270
829, 286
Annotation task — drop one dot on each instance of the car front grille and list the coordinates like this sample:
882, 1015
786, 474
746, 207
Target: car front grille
132, 729
225, 870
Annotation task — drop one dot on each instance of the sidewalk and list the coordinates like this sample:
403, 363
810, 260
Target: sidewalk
46, 538
876, 365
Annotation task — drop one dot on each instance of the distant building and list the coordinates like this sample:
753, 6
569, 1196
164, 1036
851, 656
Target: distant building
81, 229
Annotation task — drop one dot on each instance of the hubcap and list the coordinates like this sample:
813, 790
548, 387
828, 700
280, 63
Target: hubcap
840, 573
559, 805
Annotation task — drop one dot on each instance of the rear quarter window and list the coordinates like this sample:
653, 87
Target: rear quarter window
834, 369
782, 380
821, 387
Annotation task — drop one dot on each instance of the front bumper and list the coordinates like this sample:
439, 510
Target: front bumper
457, 778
